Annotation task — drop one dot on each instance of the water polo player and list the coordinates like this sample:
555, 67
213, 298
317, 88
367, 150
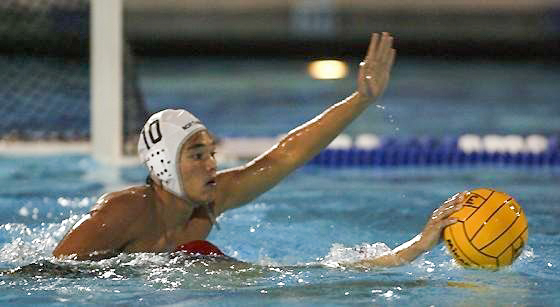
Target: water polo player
185, 194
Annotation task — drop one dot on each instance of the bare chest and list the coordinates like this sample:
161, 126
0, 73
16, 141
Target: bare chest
157, 238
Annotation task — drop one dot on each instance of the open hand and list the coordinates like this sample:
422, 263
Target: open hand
440, 219
375, 69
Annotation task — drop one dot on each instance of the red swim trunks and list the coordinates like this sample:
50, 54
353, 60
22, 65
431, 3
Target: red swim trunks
200, 247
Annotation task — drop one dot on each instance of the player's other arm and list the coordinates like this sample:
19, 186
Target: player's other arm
424, 241
102, 233
241, 185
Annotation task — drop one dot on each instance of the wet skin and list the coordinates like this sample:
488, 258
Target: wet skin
151, 219
148, 218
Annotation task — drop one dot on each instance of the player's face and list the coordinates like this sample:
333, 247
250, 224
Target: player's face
198, 167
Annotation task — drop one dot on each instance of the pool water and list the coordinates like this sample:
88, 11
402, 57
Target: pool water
293, 242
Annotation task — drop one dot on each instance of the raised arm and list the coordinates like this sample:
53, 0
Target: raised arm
424, 241
240, 185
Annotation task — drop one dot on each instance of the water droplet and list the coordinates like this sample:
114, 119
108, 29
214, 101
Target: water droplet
23, 211
63, 201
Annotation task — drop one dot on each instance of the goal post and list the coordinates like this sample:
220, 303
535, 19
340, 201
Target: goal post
106, 69
69, 78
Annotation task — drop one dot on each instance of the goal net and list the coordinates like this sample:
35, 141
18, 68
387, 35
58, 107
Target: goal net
45, 75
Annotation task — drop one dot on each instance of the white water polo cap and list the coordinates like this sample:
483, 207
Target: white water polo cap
160, 144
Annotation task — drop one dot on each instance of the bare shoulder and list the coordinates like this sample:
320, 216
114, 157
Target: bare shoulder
128, 204
116, 219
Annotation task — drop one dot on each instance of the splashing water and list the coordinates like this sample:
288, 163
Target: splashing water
27, 245
339, 255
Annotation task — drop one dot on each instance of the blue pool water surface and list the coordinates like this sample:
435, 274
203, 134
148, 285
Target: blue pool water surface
294, 241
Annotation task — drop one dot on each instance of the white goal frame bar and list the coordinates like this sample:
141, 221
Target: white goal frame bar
106, 80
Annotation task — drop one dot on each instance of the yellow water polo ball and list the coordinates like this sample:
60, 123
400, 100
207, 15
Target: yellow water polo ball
490, 232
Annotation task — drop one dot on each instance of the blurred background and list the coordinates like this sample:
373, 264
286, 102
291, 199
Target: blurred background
457, 28
245, 66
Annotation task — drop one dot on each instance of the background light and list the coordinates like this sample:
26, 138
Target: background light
328, 69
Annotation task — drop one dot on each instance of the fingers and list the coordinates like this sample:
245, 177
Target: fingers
392, 55
380, 47
385, 47
445, 211
456, 198
449, 221
372, 46
454, 204
375, 69
450, 206
441, 218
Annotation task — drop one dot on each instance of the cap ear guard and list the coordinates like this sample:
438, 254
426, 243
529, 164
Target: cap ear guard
158, 163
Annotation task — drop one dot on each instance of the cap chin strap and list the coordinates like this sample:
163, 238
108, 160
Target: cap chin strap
195, 205
211, 216
207, 207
